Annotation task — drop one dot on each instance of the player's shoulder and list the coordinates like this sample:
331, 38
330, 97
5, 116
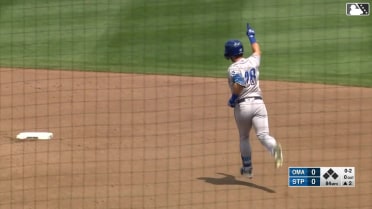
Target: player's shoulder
235, 66
233, 69
254, 59
254, 56
243, 63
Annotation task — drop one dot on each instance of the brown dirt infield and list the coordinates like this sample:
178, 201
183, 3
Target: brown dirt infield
146, 141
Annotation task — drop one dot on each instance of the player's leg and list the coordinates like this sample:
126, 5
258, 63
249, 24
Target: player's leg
243, 118
261, 125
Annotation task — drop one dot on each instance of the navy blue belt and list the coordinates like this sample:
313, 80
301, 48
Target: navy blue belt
247, 98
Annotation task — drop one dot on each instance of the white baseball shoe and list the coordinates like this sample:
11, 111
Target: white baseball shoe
278, 155
247, 172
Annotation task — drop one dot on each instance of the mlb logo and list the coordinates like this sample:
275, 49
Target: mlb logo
357, 9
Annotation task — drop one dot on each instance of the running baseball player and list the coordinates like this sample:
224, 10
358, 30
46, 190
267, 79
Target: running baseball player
246, 99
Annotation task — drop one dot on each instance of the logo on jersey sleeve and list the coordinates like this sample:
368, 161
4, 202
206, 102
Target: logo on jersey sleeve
237, 77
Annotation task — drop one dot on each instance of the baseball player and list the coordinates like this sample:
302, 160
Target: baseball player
246, 99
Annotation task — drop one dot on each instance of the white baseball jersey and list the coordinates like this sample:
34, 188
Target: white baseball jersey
251, 112
245, 72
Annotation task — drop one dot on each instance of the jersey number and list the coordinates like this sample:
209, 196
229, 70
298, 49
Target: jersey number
250, 77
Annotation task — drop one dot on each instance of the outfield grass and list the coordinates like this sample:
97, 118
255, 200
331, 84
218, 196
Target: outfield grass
309, 41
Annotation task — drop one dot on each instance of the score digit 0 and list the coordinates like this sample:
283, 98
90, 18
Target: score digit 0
313, 171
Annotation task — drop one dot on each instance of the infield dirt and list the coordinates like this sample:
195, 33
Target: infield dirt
151, 141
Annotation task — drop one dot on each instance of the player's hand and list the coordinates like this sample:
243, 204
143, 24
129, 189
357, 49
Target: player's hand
250, 31
231, 102
251, 34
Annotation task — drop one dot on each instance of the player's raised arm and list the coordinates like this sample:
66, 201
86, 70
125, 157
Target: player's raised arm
251, 36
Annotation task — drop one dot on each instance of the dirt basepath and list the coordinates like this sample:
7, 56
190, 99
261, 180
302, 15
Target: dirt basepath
146, 141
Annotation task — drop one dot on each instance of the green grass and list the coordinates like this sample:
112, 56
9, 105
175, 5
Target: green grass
307, 41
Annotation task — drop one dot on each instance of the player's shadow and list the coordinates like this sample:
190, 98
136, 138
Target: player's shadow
231, 180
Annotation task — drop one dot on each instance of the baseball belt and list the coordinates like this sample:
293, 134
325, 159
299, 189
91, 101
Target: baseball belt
247, 99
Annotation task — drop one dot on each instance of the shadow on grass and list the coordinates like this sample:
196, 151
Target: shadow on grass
231, 180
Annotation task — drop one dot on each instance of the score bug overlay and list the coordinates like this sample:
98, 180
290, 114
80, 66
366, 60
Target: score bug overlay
321, 176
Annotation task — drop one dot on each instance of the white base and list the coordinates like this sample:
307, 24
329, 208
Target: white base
35, 135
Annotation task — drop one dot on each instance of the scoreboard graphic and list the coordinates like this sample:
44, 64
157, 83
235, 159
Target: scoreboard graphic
321, 176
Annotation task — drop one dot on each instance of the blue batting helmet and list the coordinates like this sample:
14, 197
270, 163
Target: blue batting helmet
233, 48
